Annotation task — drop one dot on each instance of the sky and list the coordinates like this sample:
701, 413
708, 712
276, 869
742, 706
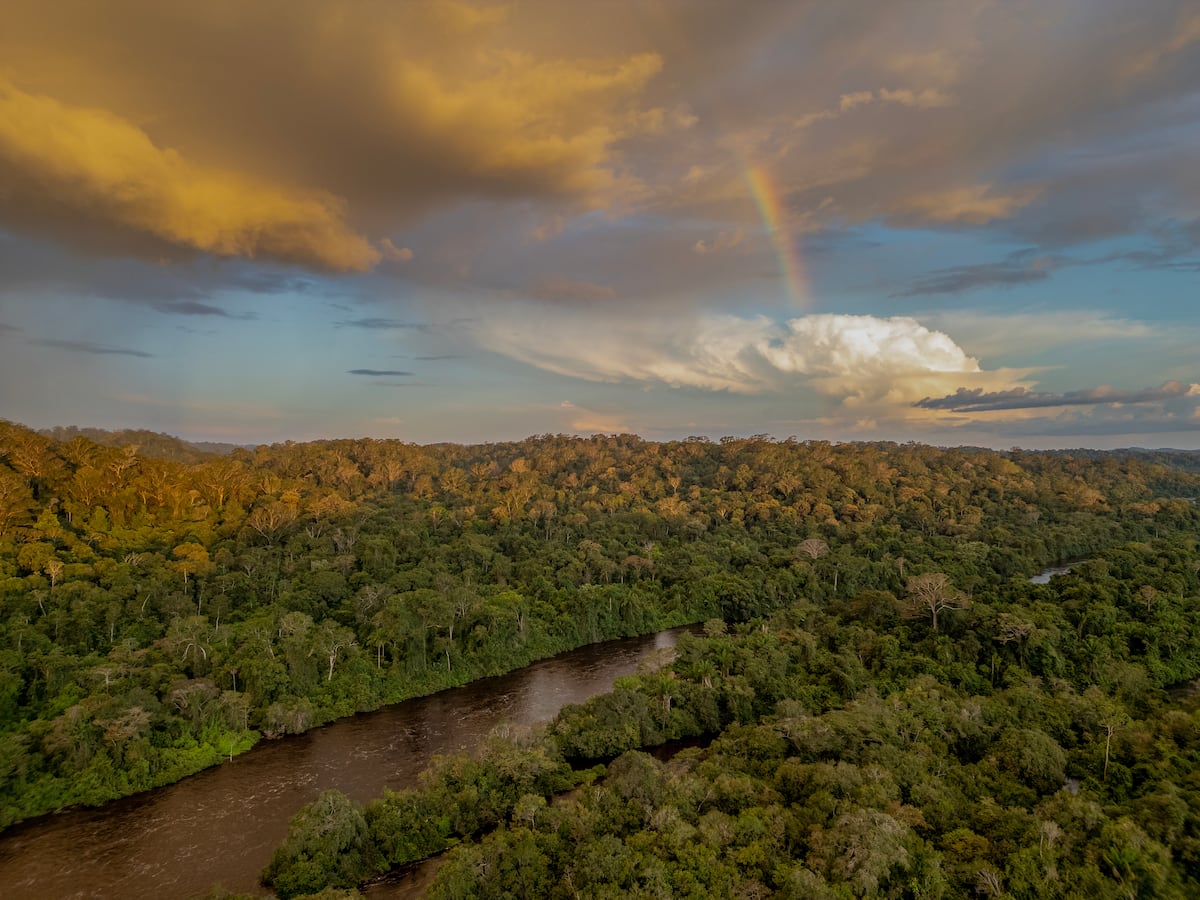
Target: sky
968, 223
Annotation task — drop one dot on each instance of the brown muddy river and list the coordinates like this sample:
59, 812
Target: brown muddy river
220, 827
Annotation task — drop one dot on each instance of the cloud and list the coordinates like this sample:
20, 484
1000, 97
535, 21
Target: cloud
374, 323
571, 290
196, 308
1148, 416
377, 372
1156, 259
1148, 423
546, 231
977, 400
5, 327
1176, 251
1184, 33
98, 164
926, 98
846, 103
1175, 248
1040, 331
726, 240
518, 118
35, 270
430, 112
854, 360
1022, 267
91, 347
394, 253
581, 420
1013, 129
974, 204
165, 123
526, 150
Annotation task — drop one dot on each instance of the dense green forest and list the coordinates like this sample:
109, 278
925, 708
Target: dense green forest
160, 614
1031, 742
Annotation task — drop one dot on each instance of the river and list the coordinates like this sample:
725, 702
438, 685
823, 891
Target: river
1044, 576
221, 826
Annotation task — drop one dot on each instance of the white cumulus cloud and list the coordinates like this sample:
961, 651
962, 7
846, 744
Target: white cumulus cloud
861, 361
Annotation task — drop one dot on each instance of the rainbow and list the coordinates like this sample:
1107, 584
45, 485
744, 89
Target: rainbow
767, 199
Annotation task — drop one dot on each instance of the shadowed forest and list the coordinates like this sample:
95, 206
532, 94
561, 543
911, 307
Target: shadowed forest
886, 706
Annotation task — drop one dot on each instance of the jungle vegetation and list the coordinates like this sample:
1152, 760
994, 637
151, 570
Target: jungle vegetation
1038, 743
158, 615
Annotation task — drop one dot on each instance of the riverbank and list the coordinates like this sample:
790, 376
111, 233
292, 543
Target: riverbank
221, 825
106, 780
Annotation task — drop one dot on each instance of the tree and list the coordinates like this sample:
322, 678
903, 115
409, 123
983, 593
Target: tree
272, 520
192, 559
16, 500
930, 594
1107, 714
328, 845
862, 849
813, 548
194, 699
330, 640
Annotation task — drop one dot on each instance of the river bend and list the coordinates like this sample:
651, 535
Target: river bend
221, 826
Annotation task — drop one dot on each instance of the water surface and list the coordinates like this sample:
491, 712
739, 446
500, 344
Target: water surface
221, 826
1044, 576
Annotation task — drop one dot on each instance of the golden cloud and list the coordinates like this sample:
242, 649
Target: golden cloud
589, 421
101, 164
394, 253
540, 121
306, 130
234, 130
970, 205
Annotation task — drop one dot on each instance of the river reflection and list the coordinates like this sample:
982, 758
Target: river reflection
220, 827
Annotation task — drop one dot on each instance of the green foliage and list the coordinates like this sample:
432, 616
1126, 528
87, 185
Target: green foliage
327, 845
914, 779
332, 842
163, 608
